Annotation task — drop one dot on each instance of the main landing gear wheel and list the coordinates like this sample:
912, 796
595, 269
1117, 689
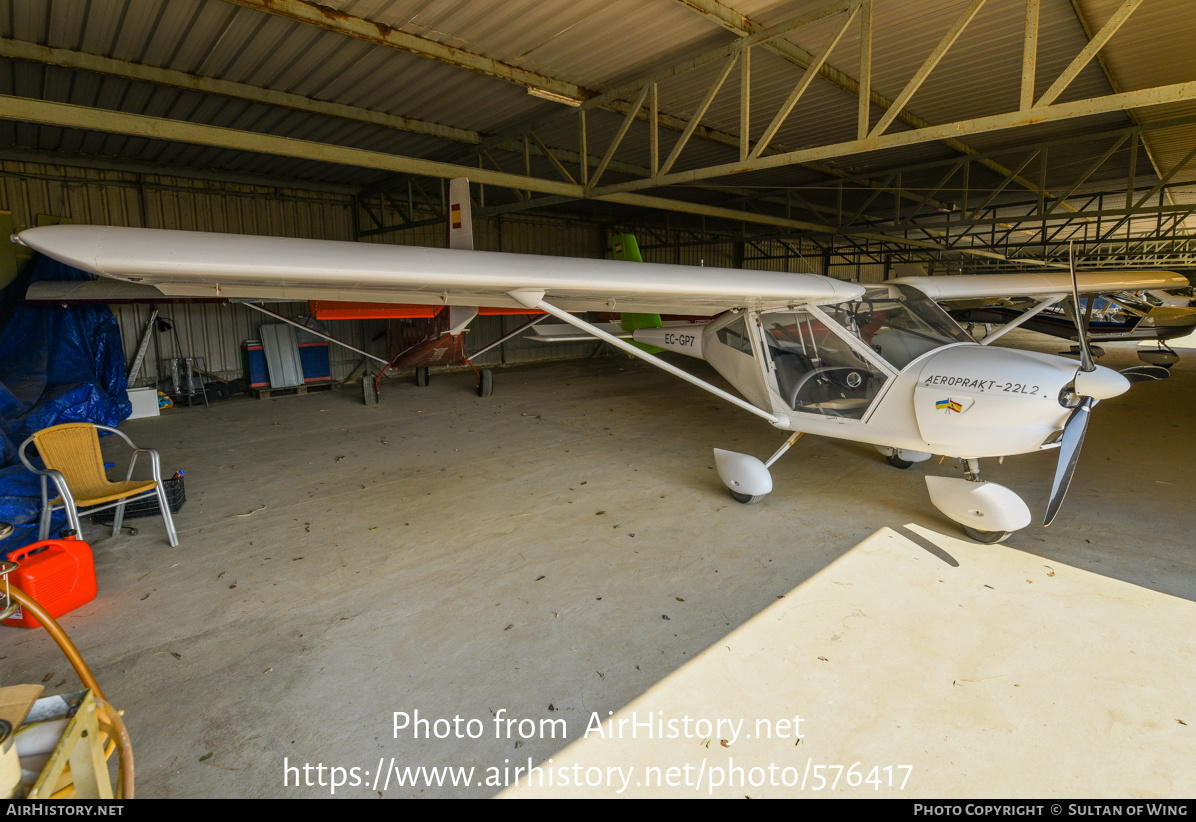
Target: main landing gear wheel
369, 390
747, 499
485, 383
987, 537
897, 462
422, 377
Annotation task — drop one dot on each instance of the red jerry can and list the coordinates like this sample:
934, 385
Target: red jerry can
60, 574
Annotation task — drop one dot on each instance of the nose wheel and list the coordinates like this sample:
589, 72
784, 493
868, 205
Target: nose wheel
902, 457
986, 537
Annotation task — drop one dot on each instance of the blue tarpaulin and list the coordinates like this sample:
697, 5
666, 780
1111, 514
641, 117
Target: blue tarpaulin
56, 365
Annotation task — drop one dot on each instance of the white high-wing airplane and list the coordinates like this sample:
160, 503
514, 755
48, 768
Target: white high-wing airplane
880, 364
1110, 312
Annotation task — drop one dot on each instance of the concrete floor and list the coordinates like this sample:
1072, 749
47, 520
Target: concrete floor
564, 550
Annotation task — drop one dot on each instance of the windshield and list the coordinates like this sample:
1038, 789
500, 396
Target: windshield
816, 370
899, 323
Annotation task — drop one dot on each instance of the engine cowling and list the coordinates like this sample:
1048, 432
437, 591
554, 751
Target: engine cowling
976, 401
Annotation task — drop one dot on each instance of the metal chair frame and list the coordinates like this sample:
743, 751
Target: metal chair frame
49, 474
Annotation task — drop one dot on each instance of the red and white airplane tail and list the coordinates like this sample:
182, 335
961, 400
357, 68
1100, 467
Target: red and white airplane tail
460, 215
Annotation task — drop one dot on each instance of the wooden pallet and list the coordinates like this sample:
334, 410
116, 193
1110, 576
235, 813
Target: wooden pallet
294, 391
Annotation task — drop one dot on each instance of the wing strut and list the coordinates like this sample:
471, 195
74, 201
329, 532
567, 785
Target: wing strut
535, 299
1044, 303
309, 330
507, 336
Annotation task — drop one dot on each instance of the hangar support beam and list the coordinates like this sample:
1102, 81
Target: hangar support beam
1175, 93
83, 61
1113, 81
370, 31
72, 116
742, 25
379, 34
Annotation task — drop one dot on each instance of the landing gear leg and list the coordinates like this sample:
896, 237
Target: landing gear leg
972, 472
785, 447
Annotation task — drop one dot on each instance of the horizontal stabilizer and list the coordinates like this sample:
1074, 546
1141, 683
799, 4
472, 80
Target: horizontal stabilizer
559, 332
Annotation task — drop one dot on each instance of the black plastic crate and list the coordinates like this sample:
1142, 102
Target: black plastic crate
176, 495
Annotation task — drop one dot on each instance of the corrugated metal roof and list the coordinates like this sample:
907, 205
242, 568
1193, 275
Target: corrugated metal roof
595, 45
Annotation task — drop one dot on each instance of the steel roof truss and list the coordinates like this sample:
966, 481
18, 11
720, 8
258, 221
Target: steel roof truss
618, 138
1088, 52
928, 66
807, 77
697, 115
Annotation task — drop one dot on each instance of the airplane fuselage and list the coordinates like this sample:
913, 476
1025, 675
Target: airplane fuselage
890, 372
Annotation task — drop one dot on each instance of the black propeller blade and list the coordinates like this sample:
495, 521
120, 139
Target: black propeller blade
1077, 423
1069, 453
1086, 361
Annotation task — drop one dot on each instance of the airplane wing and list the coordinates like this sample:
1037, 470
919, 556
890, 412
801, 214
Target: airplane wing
1014, 293
964, 287
194, 264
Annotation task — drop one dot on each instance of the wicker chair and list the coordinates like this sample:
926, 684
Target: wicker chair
71, 454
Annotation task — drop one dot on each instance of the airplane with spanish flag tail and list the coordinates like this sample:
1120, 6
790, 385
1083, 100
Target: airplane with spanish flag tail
428, 336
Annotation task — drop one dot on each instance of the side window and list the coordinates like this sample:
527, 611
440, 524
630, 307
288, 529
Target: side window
735, 336
815, 371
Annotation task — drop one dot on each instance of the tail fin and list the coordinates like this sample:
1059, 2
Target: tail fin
460, 220
460, 235
625, 247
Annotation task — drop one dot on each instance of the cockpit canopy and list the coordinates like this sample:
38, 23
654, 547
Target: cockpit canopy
816, 367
